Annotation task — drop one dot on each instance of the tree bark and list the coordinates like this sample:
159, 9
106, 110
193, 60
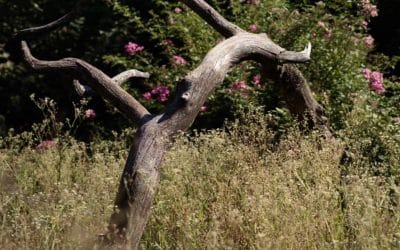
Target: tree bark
293, 88
140, 178
141, 174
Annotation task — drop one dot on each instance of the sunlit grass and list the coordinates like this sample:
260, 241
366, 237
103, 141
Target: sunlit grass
236, 188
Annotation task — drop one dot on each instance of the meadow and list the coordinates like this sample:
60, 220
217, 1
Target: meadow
241, 187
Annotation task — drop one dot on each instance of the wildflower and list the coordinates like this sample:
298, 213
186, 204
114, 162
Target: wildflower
203, 108
369, 41
328, 35
239, 86
366, 73
375, 79
373, 11
132, 48
161, 93
257, 80
253, 27
147, 96
178, 10
365, 24
90, 114
46, 144
376, 82
168, 42
368, 9
178, 60
321, 24
377, 87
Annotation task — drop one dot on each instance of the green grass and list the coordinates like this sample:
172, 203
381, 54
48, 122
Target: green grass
235, 188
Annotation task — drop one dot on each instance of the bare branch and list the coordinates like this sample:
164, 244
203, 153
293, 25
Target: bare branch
29, 32
228, 29
213, 18
140, 180
99, 81
126, 75
200, 83
82, 89
290, 56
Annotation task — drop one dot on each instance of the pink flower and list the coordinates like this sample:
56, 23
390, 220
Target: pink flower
147, 96
375, 79
44, 145
368, 9
374, 11
132, 48
253, 27
162, 98
365, 24
369, 41
168, 42
90, 114
178, 10
178, 60
378, 88
328, 35
321, 24
240, 86
203, 108
257, 80
366, 73
161, 93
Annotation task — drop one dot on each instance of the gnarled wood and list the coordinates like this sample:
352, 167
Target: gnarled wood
140, 177
43, 29
212, 17
82, 89
99, 81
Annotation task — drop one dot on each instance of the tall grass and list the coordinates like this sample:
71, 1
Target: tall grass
236, 188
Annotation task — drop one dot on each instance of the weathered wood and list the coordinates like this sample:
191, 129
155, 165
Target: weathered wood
140, 178
293, 88
82, 89
96, 79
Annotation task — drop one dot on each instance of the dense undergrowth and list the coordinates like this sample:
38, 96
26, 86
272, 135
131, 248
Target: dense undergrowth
241, 187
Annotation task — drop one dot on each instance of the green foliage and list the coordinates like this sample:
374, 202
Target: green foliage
338, 55
253, 184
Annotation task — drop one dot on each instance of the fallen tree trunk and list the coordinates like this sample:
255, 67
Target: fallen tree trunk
140, 178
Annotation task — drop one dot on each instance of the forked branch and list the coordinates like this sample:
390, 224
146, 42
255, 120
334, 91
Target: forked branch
292, 85
96, 79
119, 79
213, 18
43, 29
126, 75
141, 173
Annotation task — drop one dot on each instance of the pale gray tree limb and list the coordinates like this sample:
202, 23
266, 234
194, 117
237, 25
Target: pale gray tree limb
82, 89
141, 174
96, 79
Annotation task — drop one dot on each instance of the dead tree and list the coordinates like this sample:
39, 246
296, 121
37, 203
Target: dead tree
140, 177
